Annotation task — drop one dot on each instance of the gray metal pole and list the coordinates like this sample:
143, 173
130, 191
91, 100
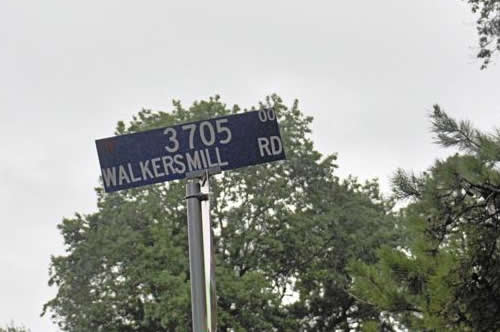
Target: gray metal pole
196, 266
209, 257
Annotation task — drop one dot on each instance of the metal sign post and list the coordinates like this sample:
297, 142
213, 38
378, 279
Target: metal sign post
196, 264
193, 151
209, 256
201, 251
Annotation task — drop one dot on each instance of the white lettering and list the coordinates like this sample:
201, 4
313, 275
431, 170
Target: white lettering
154, 162
222, 129
180, 163
209, 160
265, 115
192, 128
203, 159
173, 138
263, 146
262, 116
132, 176
123, 175
193, 162
167, 164
219, 161
109, 175
211, 140
271, 115
276, 145
145, 170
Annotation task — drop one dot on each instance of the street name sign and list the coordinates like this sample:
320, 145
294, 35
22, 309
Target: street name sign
171, 153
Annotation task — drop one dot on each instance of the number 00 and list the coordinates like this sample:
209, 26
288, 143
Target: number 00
265, 115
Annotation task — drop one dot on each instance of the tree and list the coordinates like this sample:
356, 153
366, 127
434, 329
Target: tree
11, 327
284, 233
488, 27
446, 278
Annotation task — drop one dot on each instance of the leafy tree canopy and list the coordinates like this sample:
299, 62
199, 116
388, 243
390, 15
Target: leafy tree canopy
488, 27
12, 327
284, 233
446, 277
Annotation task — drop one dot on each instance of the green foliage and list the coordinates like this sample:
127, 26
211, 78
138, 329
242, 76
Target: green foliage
446, 277
409, 284
488, 27
284, 233
11, 327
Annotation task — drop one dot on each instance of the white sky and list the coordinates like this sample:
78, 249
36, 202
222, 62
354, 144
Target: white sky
368, 71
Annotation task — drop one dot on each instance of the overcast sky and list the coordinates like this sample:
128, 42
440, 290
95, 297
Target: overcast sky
367, 71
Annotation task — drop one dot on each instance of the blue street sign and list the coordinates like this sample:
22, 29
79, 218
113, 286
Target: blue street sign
170, 153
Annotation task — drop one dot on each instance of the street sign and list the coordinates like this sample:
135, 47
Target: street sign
171, 153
